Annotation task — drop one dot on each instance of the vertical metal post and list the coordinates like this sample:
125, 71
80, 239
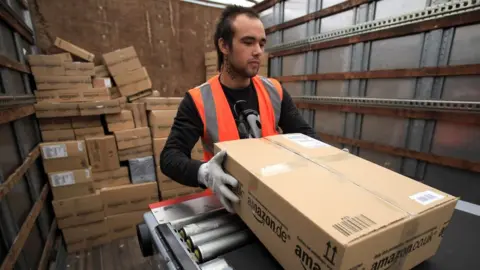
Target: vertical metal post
310, 64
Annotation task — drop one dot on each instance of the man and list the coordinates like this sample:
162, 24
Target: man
234, 105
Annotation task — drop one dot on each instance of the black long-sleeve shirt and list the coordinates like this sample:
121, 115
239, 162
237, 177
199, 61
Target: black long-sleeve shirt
175, 159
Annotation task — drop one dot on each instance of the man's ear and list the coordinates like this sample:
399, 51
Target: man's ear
223, 46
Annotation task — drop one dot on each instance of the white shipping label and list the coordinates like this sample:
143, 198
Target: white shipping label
80, 146
108, 83
87, 173
54, 151
63, 179
426, 197
306, 141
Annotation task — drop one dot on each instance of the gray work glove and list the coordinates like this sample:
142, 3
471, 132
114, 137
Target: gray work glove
211, 175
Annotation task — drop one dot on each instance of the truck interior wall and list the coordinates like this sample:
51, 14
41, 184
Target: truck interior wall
450, 46
169, 36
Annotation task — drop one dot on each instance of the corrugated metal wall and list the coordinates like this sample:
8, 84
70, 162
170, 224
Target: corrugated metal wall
17, 139
450, 46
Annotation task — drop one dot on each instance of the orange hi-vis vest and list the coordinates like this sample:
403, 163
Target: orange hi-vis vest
218, 122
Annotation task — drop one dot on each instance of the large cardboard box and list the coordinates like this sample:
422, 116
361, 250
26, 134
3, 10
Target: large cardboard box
79, 69
54, 109
62, 82
78, 210
122, 60
86, 121
128, 198
162, 103
68, 184
124, 225
139, 113
73, 95
315, 206
86, 236
139, 96
64, 156
161, 122
112, 178
84, 133
56, 123
135, 152
165, 183
73, 49
102, 153
120, 121
58, 135
48, 70
131, 138
100, 107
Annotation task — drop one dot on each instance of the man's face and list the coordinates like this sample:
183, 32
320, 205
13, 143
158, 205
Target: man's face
247, 45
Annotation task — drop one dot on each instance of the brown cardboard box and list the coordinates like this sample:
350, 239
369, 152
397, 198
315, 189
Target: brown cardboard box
47, 70
113, 178
100, 107
55, 109
124, 225
139, 113
135, 152
86, 236
73, 49
158, 144
120, 121
84, 133
78, 210
133, 82
102, 82
161, 122
64, 156
165, 183
73, 183
79, 69
140, 96
97, 94
114, 93
59, 95
123, 102
51, 60
62, 82
178, 192
358, 213
86, 121
128, 198
58, 135
102, 153
55, 123
122, 60
101, 71
131, 138
162, 103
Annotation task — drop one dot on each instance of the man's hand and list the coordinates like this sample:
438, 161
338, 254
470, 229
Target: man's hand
211, 174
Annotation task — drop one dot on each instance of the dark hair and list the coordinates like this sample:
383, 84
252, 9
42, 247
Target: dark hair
224, 28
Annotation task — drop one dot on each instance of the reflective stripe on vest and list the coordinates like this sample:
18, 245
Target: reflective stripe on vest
219, 124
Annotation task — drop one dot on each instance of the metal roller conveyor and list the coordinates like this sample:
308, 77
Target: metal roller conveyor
207, 225
180, 223
208, 236
222, 245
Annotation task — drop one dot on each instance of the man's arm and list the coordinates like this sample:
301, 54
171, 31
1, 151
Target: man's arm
175, 159
291, 121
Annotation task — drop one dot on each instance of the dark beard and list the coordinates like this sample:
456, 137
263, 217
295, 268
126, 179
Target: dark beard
235, 72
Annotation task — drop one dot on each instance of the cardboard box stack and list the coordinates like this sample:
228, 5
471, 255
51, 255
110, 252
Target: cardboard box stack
131, 78
97, 148
212, 70
358, 216
162, 112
